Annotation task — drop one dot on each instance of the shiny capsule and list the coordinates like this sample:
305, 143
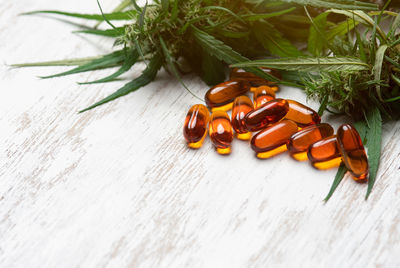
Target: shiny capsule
268, 113
241, 106
301, 114
352, 150
221, 96
273, 139
195, 127
255, 81
262, 95
325, 154
299, 142
221, 133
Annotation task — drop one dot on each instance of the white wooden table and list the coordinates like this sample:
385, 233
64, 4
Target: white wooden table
117, 187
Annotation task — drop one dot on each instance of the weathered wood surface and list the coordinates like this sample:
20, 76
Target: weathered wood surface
117, 187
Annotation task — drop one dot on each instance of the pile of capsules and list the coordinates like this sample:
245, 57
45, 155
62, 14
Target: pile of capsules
281, 125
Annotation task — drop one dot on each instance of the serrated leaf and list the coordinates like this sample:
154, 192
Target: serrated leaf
107, 61
126, 15
377, 70
255, 17
338, 178
224, 52
108, 33
130, 60
273, 41
145, 78
339, 4
307, 64
341, 29
317, 38
374, 141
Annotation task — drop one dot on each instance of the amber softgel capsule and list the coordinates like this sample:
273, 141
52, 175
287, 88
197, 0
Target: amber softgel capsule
325, 154
299, 142
254, 80
268, 113
221, 132
302, 114
273, 139
353, 152
221, 96
241, 107
262, 94
195, 127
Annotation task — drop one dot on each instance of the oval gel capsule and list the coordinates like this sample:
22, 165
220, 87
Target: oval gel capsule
325, 154
268, 113
254, 80
221, 133
263, 94
195, 127
221, 96
241, 107
300, 141
301, 114
272, 140
352, 150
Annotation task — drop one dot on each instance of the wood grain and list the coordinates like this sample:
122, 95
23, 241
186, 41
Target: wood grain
117, 187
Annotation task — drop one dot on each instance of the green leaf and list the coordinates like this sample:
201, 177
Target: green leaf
119, 31
255, 17
145, 78
361, 49
273, 41
374, 141
106, 61
225, 53
338, 178
394, 26
213, 71
341, 29
68, 62
104, 17
377, 70
127, 15
317, 39
339, 4
307, 64
130, 60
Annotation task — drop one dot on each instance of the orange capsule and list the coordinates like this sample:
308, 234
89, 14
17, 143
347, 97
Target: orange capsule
301, 114
254, 80
300, 141
221, 132
273, 139
352, 150
241, 106
195, 128
221, 96
266, 114
262, 95
325, 154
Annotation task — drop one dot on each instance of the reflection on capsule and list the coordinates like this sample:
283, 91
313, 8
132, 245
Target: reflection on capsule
255, 81
325, 154
262, 95
268, 113
301, 114
195, 127
221, 133
241, 106
352, 150
273, 139
300, 141
221, 96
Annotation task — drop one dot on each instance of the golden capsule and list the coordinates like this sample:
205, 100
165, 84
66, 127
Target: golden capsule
262, 95
266, 114
241, 106
299, 142
301, 114
221, 96
221, 133
325, 154
255, 81
195, 127
352, 150
273, 139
